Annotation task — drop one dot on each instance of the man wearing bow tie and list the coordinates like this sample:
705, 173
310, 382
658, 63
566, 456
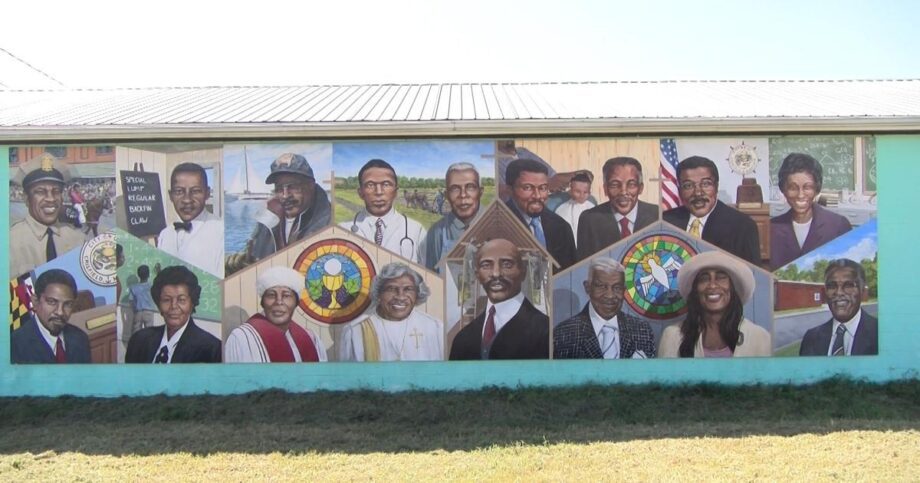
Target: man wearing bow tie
198, 236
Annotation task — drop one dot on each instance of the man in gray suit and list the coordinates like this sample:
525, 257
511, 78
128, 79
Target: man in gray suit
608, 223
601, 330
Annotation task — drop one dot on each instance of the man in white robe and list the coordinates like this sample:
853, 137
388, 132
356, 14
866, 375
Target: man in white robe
395, 330
579, 190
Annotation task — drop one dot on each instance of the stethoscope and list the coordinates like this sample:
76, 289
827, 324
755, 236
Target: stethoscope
405, 238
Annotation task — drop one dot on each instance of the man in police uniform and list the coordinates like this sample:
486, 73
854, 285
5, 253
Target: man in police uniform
40, 237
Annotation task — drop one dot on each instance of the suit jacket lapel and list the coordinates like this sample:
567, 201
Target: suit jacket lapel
181, 353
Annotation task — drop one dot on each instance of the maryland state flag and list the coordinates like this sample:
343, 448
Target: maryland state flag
20, 299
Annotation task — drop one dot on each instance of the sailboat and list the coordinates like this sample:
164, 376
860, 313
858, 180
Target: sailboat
240, 186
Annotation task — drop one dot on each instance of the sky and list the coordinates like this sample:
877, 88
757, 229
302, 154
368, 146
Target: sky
101, 44
858, 244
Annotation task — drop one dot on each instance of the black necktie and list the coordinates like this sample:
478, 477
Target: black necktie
180, 225
162, 356
50, 251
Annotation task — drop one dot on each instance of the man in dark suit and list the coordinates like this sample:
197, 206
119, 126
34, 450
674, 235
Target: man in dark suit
46, 337
704, 216
608, 223
601, 330
176, 292
529, 182
510, 327
851, 330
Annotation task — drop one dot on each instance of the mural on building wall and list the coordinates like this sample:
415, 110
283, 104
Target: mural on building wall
410, 250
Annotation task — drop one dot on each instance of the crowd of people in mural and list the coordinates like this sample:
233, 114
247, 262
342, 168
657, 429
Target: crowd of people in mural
460, 286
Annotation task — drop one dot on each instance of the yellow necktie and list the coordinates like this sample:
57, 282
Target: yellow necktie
695, 227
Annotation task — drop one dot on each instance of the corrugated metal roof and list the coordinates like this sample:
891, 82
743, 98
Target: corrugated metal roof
458, 103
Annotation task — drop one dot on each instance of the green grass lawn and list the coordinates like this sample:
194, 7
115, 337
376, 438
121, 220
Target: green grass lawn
836, 429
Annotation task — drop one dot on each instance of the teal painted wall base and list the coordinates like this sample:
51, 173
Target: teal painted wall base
899, 337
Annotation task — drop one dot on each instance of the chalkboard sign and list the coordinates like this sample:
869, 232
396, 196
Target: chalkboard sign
835, 153
143, 203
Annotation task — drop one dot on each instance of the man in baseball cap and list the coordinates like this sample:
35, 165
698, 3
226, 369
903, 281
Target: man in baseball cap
298, 208
40, 237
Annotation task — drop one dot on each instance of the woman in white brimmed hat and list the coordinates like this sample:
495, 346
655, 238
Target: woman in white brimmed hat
716, 286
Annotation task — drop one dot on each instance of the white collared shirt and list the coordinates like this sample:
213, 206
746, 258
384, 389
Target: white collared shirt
202, 247
702, 220
631, 216
401, 235
613, 351
851, 326
570, 211
50, 339
170, 342
801, 231
504, 311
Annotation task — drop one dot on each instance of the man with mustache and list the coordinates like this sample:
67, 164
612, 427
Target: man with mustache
379, 221
529, 182
395, 330
601, 330
851, 331
273, 335
704, 216
608, 223
176, 292
40, 237
299, 208
46, 336
510, 327
198, 236
463, 194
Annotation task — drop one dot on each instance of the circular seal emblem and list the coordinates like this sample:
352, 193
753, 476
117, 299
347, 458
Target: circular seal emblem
743, 159
338, 277
98, 261
651, 266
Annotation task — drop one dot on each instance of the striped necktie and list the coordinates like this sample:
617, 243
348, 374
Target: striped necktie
378, 235
837, 349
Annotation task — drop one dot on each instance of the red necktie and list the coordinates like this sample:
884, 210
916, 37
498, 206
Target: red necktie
624, 227
489, 333
60, 356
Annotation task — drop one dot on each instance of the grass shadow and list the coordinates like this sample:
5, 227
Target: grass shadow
364, 422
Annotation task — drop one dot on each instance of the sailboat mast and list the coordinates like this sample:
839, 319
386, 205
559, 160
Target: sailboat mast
246, 166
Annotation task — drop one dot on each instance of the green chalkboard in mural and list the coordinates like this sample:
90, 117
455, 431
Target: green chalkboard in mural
138, 252
835, 153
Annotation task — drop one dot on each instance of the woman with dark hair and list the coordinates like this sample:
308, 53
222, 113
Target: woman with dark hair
716, 286
806, 225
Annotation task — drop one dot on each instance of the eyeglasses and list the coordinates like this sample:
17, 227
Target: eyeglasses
455, 189
848, 286
529, 188
195, 192
371, 186
706, 185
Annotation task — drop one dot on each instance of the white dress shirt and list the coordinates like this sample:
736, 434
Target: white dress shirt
51, 340
612, 350
203, 246
504, 311
170, 342
631, 216
851, 326
401, 235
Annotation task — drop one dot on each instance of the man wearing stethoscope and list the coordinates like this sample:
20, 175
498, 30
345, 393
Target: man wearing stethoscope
379, 221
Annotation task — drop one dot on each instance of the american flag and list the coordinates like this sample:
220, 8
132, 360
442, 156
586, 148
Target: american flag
669, 192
